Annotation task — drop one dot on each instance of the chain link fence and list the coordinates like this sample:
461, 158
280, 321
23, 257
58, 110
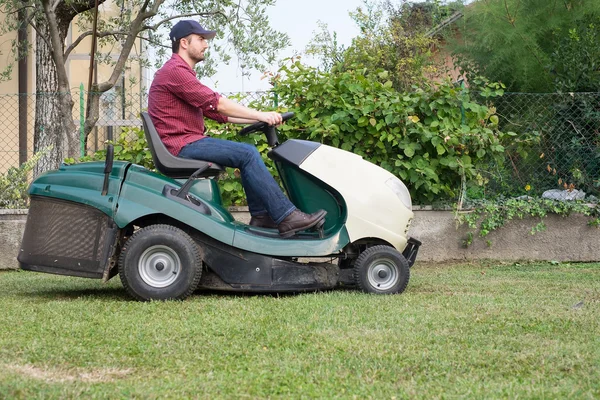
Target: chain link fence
557, 144
15, 146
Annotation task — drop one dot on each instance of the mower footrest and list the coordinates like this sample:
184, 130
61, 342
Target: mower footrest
411, 250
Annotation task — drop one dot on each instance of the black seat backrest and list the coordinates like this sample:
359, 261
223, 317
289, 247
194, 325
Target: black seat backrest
167, 163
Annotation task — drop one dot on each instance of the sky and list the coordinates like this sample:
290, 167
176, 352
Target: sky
299, 21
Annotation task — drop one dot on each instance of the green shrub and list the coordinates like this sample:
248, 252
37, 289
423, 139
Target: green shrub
14, 183
131, 145
434, 138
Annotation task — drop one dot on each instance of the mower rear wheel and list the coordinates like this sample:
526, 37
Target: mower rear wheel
160, 262
381, 270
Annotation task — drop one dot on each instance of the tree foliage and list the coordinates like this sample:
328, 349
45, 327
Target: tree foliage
242, 25
393, 37
532, 45
243, 28
575, 61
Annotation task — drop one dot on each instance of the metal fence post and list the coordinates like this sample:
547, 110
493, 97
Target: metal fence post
81, 120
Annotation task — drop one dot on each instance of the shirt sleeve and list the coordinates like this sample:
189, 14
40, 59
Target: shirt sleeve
217, 116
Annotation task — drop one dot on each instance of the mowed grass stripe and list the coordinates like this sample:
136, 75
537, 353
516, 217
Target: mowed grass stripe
483, 330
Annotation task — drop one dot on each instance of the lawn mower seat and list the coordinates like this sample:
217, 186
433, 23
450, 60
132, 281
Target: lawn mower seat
167, 163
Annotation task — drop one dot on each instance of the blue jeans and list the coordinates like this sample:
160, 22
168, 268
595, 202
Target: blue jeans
263, 193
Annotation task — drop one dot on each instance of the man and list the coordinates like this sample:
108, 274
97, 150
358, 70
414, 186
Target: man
177, 105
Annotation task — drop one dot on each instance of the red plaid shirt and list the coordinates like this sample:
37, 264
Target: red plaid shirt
178, 103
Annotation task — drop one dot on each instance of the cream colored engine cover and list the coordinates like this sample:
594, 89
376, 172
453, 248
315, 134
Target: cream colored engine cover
374, 210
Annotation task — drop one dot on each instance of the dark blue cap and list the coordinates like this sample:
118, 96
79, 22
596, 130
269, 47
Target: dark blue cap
187, 27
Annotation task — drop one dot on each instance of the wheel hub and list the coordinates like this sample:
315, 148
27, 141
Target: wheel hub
383, 274
159, 266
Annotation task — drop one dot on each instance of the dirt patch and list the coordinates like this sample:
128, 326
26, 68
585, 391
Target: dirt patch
53, 375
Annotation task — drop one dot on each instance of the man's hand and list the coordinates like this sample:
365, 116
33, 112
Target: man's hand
270, 117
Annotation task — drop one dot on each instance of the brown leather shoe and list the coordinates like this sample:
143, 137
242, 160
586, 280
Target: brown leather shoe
298, 221
263, 221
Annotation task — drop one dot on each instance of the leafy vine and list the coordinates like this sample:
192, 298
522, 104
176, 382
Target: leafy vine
489, 216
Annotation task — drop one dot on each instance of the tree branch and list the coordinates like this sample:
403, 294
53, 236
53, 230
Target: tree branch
55, 5
237, 12
15, 11
508, 16
135, 29
205, 14
40, 34
89, 33
72, 9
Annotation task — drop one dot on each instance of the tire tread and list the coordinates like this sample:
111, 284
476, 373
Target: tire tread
156, 229
359, 266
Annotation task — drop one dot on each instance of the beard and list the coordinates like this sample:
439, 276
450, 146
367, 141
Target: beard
197, 56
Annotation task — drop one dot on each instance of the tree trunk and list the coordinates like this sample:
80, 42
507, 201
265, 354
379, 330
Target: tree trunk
54, 126
93, 113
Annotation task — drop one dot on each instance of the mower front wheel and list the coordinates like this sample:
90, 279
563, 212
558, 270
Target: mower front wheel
381, 270
160, 262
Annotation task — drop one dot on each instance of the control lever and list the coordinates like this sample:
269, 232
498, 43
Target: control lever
185, 189
110, 154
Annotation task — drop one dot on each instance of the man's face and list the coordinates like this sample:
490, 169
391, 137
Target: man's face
196, 47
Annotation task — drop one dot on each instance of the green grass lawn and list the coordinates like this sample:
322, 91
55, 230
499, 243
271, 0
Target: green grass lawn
468, 331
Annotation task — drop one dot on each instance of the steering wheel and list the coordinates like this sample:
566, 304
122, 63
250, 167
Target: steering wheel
262, 126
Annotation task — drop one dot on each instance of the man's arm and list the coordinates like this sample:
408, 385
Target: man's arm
238, 112
243, 121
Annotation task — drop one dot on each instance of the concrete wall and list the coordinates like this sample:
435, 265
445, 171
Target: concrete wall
566, 239
12, 225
